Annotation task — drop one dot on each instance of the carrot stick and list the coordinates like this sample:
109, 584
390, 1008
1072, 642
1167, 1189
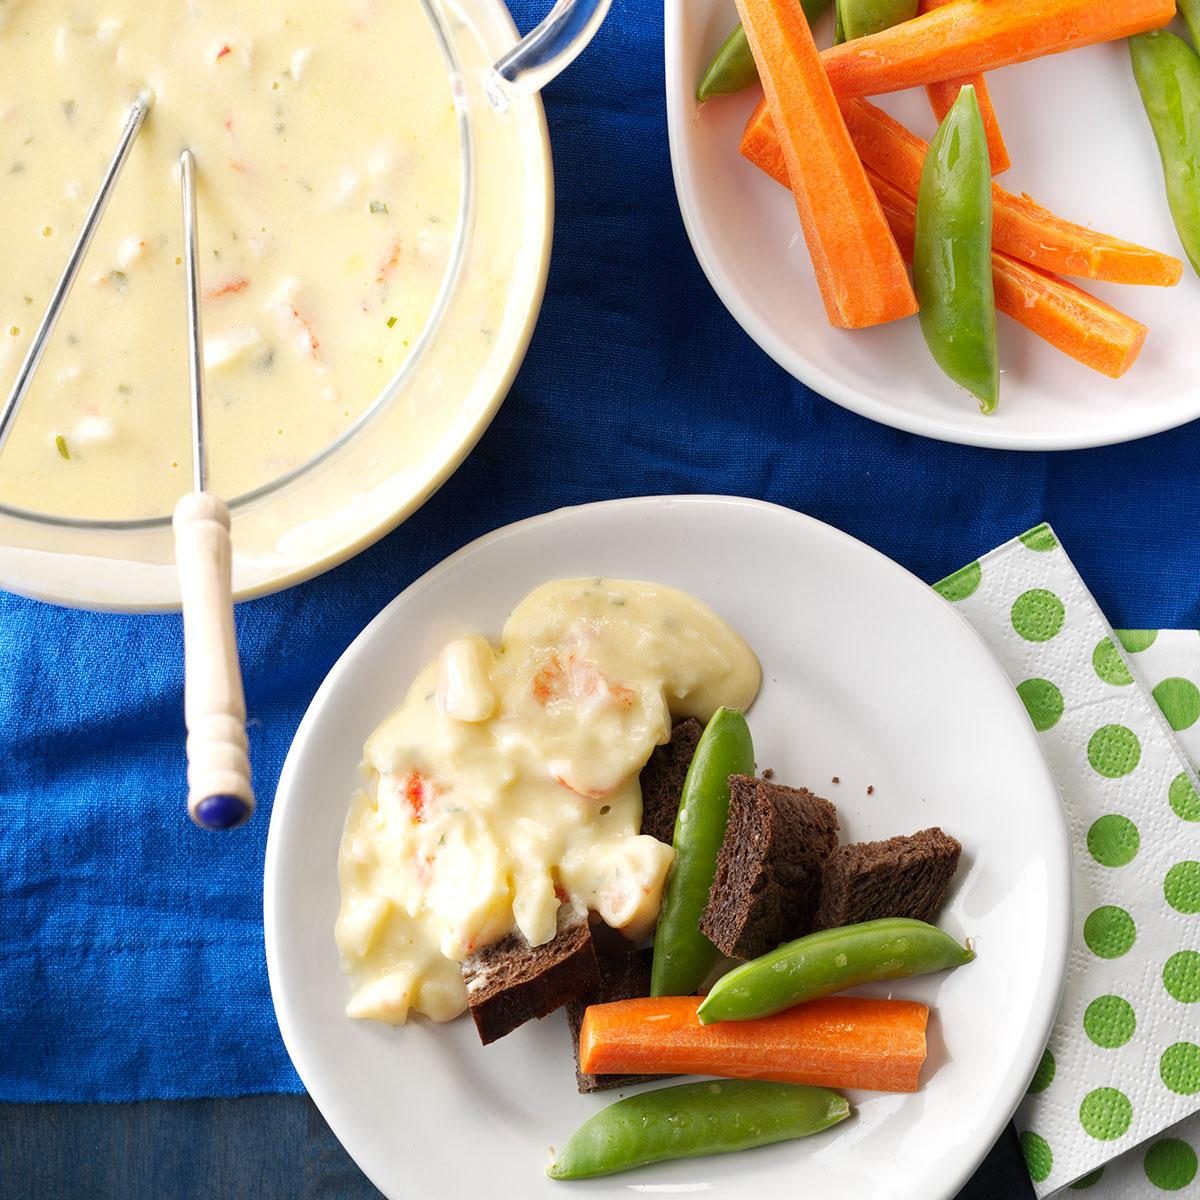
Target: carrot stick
859, 270
760, 145
1022, 229
967, 36
1070, 319
839, 1042
943, 94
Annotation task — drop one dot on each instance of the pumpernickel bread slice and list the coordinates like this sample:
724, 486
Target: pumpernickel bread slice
624, 976
511, 982
899, 877
662, 780
768, 879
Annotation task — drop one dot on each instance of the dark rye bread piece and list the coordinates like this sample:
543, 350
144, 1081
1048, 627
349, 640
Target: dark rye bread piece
624, 976
900, 877
662, 780
768, 879
511, 982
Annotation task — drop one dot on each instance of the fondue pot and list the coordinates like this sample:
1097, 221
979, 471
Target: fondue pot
375, 474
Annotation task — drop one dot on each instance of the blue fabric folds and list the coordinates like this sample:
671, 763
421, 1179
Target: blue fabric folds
131, 958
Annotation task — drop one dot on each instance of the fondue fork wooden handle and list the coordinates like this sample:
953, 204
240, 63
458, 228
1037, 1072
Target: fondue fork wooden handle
219, 792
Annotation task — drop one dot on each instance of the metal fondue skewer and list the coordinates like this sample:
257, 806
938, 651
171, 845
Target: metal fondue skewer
219, 791
33, 357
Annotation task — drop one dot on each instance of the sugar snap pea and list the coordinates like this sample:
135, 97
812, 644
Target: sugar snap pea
831, 961
695, 1119
683, 956
860, 18
952, 254
732, 68
1167, 70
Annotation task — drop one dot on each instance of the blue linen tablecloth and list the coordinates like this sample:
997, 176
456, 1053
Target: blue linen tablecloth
131, 959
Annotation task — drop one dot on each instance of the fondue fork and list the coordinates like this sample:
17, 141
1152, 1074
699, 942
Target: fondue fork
219, 791
33, 357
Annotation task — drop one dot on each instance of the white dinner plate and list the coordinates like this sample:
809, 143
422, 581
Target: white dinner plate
869, 676
1080, 145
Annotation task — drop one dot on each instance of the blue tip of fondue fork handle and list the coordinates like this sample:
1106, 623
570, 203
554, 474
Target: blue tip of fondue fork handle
221, 812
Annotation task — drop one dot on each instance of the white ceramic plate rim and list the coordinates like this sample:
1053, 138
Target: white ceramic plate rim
963, 1159
996, 436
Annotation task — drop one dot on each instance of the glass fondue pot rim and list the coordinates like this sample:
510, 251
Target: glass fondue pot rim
408, 369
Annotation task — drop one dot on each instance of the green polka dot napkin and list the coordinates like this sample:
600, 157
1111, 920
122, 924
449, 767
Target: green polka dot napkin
1167, 664
1116, 712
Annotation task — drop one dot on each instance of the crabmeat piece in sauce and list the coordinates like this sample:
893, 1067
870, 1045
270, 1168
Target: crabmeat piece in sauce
507, 784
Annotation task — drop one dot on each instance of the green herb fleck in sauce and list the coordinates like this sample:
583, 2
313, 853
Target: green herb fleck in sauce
378, 206
61, 443
391, 322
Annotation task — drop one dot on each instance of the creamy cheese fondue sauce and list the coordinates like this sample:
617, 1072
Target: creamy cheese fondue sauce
507, 784
329, 163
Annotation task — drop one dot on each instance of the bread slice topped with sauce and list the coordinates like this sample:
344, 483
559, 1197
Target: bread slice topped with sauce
662, 779
511, 982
